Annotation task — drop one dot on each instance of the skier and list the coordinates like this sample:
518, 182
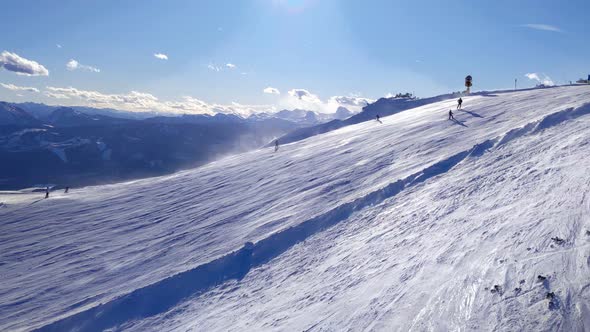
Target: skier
459, 102
378, 119
276, 145
47, 192
67, 189
451, 117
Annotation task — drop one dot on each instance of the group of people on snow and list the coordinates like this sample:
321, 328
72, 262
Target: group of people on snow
459, 103
66, 190
378, 119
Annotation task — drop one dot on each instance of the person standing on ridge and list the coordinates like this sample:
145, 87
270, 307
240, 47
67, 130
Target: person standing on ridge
459, 102
276, 145
67, 189
451, 117
47, 192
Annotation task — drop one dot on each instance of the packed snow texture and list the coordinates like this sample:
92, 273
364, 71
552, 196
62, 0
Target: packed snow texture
416, 223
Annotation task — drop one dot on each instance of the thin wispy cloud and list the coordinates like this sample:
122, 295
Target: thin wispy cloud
19, 88
213, 67
21, 66
161, 56
542, 27
272, 91
58, 45
221, 67
55, 95
75, 65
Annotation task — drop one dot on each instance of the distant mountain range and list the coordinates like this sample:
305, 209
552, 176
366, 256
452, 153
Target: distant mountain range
73, 146
299, 116
11, 115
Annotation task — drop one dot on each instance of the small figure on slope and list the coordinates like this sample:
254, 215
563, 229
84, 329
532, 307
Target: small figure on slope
451, 117
47, 192
459, 102
276, 145
67, 189
378, 118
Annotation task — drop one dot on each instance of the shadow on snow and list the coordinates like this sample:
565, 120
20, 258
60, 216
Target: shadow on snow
162, 296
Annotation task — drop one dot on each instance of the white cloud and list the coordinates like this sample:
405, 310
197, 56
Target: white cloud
58, 45
133, 99
304, 95
72, 64
543, 27
272, 91
213, 67
146, 102
19, 88
350, 101
540, 78
303, 99
15, 63
217, 68
161, 56
139, 101
55, 95
75, 65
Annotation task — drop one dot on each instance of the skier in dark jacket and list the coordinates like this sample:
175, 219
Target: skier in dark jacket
378, 118
47, 192
276, 145
451, 117
459, 102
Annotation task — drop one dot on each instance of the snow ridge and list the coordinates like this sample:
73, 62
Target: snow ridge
165, 294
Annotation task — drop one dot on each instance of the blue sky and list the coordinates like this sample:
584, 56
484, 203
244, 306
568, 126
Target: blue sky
317, 54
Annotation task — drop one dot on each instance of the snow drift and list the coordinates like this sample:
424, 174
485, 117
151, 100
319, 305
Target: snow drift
418, 223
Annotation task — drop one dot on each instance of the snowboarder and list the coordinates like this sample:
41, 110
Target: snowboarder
378, 119
459, 102
67, 189
451, 117
47, 192
276, 145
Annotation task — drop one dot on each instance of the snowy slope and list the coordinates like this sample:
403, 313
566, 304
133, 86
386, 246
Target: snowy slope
394, 226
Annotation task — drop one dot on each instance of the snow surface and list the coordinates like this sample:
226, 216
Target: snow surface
405, 225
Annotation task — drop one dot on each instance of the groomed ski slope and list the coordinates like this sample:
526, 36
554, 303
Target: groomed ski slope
405, 225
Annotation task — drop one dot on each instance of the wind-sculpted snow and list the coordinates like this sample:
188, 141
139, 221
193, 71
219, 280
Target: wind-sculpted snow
162, 296
390, 226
